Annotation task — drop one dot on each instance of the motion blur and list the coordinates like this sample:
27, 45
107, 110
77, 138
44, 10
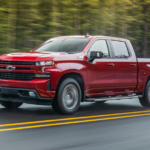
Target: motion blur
24, 24
97, 125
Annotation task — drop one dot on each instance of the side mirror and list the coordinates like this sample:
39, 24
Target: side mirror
94, 55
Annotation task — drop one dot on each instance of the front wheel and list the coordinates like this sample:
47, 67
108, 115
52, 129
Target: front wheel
145, 100
11, 105
68, 97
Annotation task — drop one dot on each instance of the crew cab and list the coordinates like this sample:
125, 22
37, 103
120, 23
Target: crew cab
65, 71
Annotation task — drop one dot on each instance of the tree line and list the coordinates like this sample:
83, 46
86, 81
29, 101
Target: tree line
24, 24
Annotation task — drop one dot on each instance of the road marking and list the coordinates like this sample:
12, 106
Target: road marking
73, 122
75, 118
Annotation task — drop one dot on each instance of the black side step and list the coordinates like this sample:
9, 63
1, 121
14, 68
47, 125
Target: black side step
111, 98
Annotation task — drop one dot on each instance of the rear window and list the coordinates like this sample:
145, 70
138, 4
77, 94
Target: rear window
68, 45
120, 49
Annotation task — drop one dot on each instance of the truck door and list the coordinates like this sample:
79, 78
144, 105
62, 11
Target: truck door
101, 71
125, 68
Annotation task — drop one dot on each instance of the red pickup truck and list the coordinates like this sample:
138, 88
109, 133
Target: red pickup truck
64, 71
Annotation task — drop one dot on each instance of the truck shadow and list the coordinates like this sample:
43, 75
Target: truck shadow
109, 108
46, 112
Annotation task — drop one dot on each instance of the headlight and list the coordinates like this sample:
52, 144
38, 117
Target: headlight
43, 63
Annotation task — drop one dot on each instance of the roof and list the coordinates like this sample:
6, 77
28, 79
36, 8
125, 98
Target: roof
95, 36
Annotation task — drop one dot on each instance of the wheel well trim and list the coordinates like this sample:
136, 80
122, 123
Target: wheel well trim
72, 75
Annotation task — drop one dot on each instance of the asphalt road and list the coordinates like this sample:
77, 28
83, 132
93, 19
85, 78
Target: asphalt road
115, 125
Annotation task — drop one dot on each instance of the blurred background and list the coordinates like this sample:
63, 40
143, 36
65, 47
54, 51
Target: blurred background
24, 24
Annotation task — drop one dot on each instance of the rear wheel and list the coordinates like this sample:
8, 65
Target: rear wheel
68, 97
145, 100
11, 105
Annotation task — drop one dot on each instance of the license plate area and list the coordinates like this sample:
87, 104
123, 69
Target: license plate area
8, 91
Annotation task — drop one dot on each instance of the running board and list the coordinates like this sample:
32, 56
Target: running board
111, 98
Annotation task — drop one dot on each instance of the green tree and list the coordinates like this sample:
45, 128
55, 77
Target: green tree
24, 24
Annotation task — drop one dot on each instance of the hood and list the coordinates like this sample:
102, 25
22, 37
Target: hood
30, 56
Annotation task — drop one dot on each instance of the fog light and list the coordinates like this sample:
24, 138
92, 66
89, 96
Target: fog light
32, 94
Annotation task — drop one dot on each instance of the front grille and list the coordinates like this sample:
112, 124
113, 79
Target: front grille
18, 62
16, 76
19, 68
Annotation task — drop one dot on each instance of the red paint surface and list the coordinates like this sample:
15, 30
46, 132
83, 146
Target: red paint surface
100, 79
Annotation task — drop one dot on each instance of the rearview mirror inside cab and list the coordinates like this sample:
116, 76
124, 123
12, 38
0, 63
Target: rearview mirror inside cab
94, 55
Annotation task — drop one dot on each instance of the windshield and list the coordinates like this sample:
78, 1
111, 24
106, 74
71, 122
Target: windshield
68, 45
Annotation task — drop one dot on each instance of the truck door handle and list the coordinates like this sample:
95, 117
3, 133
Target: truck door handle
110, 64
132, 65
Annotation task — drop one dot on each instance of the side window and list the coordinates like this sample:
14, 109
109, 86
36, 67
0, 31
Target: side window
120, 49
100, 46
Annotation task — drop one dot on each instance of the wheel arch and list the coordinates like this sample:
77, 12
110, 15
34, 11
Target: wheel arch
78, 77
148, 79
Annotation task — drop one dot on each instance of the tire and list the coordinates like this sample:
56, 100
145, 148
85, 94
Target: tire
55, 106
68, 97
145, 100
11, 105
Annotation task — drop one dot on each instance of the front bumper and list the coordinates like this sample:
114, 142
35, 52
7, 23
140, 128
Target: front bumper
40, 85
21, 95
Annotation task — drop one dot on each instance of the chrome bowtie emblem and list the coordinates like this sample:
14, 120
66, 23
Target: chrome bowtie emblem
10, 68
